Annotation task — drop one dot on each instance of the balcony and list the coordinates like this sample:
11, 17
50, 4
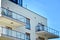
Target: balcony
11, 34
47, 31
11, 18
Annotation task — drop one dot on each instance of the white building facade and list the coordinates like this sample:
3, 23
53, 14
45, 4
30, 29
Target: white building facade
19, 23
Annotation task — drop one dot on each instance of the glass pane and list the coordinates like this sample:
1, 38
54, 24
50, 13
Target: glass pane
4, 12
9, 32
0, 29
27, 37
38, 28
18, 17
13, 33
22, 35
9, 13
18, 35
4, 31
14, 0
14, 16
27, 23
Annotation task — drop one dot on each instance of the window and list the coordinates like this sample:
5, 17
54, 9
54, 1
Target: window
15, 1
19, 2
40, 27
27, 23
27, 36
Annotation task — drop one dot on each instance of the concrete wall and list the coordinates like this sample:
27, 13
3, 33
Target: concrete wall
34, 18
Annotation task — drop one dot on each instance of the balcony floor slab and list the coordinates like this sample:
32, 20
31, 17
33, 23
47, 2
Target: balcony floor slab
47, 34
9, 22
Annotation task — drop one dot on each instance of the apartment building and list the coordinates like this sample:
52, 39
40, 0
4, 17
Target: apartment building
19, 23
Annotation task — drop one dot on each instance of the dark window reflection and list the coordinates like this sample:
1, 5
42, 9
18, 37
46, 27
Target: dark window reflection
15, 1
27, 23
19, 2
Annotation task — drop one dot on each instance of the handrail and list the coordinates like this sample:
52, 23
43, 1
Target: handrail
13, 15
12, 33
48, 29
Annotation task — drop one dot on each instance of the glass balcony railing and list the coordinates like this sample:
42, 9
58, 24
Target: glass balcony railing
13, 15
47, 29
12, 33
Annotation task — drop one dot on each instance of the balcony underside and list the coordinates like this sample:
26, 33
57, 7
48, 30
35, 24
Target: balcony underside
6, 21
47, 34
6, 37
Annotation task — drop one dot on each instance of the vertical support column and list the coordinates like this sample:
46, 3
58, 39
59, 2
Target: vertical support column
33, 33
32, 36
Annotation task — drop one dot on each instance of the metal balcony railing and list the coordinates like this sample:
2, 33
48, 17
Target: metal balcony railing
47, 29
13, 15
12, 33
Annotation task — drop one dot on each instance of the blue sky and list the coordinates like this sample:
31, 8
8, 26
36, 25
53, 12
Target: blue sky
47, 8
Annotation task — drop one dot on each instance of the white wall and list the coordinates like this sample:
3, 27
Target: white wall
34, 18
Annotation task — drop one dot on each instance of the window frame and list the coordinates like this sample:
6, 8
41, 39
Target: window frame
28, 24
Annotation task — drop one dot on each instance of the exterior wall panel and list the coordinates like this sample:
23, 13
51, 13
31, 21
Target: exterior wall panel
34, 18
